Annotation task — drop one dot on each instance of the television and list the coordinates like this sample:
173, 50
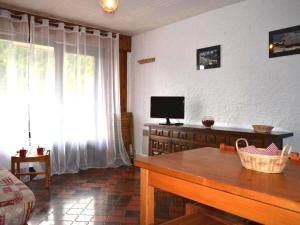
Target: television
168, 107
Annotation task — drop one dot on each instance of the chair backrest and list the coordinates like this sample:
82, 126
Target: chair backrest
127, 132
224, 147
295, 156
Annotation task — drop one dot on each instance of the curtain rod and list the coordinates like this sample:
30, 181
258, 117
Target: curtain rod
54, 21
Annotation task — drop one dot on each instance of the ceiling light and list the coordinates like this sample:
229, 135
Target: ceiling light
109, 6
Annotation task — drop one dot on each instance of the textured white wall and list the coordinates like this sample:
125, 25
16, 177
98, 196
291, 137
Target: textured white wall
249, 88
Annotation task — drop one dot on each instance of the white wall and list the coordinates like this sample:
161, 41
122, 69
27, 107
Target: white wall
249, 88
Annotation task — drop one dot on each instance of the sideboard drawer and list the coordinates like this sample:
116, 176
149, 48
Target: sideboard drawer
181, 146
179, 134
200, 138
159, 132
220, 140
183, 135
159, 147
210, 139
166, 133
153, 131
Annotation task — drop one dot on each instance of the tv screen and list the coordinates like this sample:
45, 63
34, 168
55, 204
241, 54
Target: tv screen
167, 107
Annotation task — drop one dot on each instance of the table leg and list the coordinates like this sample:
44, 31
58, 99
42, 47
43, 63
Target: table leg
147, 199
12, 166
18, 170
47, 172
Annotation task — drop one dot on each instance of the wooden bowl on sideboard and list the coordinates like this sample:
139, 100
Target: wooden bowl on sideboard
264, 129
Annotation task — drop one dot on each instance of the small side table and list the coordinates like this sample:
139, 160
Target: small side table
16, 160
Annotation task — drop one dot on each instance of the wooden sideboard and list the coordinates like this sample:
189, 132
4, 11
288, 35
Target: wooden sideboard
166, 139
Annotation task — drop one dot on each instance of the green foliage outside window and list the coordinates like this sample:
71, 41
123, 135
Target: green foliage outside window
15, 61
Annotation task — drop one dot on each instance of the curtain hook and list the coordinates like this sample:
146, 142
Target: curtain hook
76, 28
61, 26
82, 30
24, 17
96, 32
45, 22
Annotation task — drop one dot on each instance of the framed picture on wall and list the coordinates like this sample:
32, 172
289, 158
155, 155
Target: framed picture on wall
209, 57
284, 42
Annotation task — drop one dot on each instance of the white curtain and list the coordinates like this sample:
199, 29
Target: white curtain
73, 96
14, 35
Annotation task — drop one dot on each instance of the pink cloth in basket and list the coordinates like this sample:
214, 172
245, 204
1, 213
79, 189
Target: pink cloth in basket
250, 149
270, 150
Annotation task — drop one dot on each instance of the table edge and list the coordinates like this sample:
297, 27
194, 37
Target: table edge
242, 192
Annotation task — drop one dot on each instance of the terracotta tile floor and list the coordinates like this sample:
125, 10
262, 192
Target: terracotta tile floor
94, 197
100, 196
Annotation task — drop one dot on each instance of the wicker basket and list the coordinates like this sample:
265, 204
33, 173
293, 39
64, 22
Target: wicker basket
262, 129
263, 163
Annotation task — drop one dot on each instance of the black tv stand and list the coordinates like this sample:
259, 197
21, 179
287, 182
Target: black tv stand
167, 123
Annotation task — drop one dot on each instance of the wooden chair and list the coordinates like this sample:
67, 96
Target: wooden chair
224, 147
127, 133
193, 219
295, 156
196, 214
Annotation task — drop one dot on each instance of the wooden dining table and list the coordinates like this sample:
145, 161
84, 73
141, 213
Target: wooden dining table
217, 179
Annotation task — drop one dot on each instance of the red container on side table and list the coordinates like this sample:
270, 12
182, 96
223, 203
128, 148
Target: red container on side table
23, 152
40, 151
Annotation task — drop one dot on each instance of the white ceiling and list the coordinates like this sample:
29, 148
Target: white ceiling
132, 17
